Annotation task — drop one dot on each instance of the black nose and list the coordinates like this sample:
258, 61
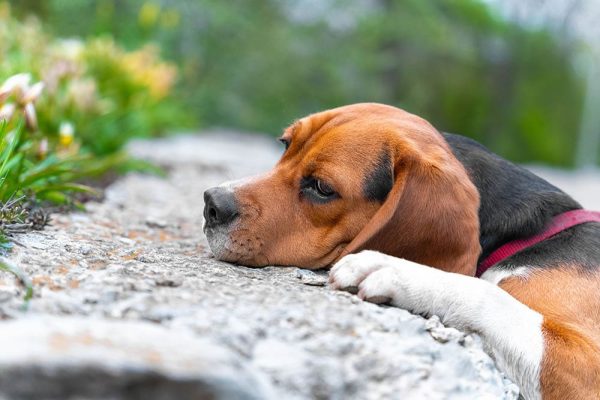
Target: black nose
219, 206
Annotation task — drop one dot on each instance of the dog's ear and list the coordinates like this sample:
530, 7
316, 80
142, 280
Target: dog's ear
430, 214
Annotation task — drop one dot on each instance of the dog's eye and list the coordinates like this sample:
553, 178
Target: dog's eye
317, 190
285, 142
323, 189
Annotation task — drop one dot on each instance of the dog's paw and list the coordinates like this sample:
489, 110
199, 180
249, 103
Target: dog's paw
384, 286
379, 278
423, 290
349, 273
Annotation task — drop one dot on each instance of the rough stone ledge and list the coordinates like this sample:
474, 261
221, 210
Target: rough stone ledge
92, 358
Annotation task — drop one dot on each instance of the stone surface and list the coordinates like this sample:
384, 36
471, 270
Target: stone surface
137, 265
58, 358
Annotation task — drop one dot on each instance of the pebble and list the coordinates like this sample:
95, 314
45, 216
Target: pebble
441, 333
85, 250
169, 281
308, 277
153, 222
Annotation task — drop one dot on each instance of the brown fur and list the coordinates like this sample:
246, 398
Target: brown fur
570, 303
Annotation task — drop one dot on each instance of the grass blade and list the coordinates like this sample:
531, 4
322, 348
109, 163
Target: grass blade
8, 151
68, 187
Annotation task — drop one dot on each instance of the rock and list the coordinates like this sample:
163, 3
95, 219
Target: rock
8, 293
126, 241
310, 278
73, 358
154, 222
287, 365
441, 333
85, 250
169, 281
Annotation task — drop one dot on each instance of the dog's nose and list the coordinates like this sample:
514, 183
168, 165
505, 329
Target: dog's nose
219, 206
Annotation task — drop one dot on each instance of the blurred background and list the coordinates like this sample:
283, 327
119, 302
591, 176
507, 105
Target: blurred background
520, 76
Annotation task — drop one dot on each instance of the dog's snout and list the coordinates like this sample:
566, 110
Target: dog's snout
219, 206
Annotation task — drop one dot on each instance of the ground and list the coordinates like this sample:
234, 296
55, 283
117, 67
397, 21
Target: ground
128, 303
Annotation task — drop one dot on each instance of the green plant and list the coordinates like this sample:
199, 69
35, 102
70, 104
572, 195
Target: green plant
28, 172
68, 117
97, 94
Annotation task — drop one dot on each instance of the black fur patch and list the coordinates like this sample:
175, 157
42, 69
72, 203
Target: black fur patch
379, 182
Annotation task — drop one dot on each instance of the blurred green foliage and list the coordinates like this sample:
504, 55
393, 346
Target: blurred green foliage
108, 94
67, 107
258, 65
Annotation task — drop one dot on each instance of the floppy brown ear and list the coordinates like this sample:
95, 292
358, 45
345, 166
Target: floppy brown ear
431, 214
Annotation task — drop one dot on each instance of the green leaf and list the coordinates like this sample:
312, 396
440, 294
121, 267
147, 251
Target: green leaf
54, 197
8, 151
67, 187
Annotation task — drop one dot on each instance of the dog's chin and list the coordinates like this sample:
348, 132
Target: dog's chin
218, 242
229, 247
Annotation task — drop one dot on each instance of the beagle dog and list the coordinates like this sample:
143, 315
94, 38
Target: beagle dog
435, 224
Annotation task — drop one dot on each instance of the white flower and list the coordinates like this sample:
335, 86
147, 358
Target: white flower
7, 111
32, 93
16, 84
66, 131
30, 116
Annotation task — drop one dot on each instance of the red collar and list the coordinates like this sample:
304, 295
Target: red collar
559, 223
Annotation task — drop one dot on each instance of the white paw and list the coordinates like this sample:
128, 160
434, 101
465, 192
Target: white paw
350, 271
379, 278
360, 273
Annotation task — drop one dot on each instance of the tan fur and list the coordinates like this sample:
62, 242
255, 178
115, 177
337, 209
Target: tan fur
569, 300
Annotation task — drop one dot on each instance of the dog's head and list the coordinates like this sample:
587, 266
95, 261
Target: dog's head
364, 176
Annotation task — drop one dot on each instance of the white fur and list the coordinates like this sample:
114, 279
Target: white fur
496, 275
218, 240
511, 331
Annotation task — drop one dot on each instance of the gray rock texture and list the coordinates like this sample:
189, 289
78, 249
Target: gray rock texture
129, 303
61, 357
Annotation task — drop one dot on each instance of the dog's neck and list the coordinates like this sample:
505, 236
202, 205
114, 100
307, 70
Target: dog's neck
515, 203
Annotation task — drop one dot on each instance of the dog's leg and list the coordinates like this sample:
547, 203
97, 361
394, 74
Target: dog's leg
511, 331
